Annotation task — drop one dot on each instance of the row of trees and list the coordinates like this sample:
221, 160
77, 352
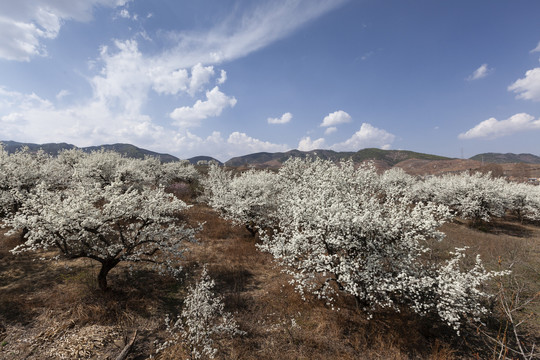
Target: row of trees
101, 206
335, 228
340, 229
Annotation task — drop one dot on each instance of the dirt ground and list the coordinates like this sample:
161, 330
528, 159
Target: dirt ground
52, 309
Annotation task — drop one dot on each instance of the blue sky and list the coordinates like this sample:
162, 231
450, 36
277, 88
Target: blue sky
231, 77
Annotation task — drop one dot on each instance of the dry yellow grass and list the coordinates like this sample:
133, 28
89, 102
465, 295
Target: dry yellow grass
54, 310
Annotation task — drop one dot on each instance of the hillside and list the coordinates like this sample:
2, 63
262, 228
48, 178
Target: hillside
499, 158
386, 158
53, 149
194, 160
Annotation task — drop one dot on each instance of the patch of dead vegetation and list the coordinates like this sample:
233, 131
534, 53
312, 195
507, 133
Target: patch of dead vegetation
54, 310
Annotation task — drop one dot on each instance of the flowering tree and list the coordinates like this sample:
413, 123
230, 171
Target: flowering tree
107, 223
523, 200
202, 322
476, 196
247, 199
20, 173
397, 182
340, 230
105, 167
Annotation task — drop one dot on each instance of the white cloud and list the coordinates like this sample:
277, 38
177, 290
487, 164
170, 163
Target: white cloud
285, 118
236, 144
480, 73
125, 76
528, 88
367, 136
167, 82
222, 78
216, 101
537, 48
62, 94
239, 36
240, 144
336, 118
306, 144
39, 121
330, 130
124, 13
124, 80
172, 82
25, 23
200, 76
493, 128
30, 118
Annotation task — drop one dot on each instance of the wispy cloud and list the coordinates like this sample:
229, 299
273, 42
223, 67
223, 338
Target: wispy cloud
124, 77
493, 128
330, 130
480, 73
537, 48
25, 23
235, 38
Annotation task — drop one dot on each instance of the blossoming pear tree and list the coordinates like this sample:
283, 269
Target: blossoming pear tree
203, 321
20, 173
247, 199
341, 229
108, 224
476, 196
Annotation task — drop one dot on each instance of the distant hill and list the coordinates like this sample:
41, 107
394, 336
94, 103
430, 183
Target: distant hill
499, 158
196, 159
51, 148
132, 151
387, 158
127, 150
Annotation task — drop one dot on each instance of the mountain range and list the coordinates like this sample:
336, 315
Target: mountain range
274, 160
382, 158
53, 149
498, 158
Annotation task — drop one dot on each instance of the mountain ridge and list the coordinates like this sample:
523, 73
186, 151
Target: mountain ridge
384, 158
500, 158
53, 149
388, 157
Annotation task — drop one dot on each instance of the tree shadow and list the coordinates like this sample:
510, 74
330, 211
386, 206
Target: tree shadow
504, 228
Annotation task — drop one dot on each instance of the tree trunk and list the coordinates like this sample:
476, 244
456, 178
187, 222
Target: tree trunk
106, 266
23, 233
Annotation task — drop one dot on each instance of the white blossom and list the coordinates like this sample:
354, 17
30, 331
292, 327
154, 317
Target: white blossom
202, 322
338, 229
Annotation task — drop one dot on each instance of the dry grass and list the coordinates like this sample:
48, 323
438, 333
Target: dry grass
54, 310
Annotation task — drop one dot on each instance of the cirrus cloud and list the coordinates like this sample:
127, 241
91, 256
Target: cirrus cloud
537, 48
480, 73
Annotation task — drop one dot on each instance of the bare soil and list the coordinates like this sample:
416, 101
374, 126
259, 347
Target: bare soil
54, 310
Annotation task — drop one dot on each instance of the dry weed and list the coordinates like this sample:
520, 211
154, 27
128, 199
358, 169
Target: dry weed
56, 308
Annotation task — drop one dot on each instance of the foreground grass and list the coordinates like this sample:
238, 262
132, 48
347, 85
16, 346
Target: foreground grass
53, 309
